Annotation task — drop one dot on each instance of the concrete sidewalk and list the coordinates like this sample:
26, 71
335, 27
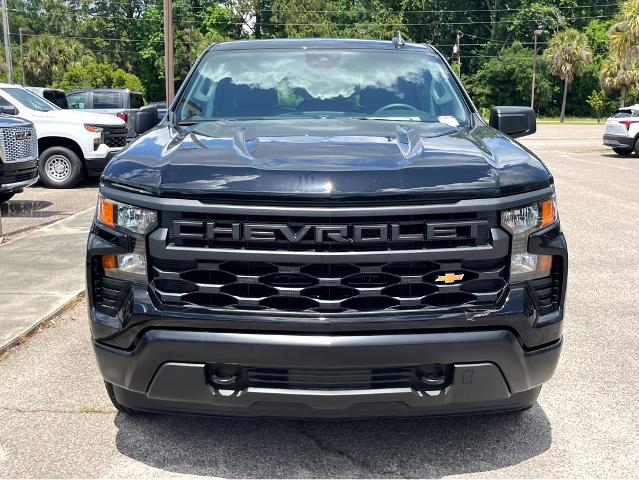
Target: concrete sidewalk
40, 274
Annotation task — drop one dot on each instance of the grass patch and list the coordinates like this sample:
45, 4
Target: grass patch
88, 409
572, 120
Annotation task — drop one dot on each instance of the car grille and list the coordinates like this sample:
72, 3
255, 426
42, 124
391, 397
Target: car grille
115, 137
16, 149
327, 288
352, 379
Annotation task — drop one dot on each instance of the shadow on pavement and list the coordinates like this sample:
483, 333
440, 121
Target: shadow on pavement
356, 448
27, 208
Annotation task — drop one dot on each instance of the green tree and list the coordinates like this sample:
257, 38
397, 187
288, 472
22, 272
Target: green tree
619, 76
99, 75
597, 101
375, 19
568, 55
624, 34
507, 80
46, 58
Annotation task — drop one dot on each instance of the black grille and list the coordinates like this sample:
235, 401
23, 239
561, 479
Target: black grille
328, 288
115, 136
410, 224
331, 379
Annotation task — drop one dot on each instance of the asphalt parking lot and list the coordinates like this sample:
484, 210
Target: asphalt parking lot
56, 420
38, 206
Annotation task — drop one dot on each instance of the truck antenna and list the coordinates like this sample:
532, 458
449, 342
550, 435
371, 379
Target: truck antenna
398, 41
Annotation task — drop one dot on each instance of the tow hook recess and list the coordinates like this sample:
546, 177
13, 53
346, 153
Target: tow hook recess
435, 376
228, 377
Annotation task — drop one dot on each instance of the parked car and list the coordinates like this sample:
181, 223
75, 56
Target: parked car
622, 131
18, 155
120, 102
56, 96
336, 233
71, 144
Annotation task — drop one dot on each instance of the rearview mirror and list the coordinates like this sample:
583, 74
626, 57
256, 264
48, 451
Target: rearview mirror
145, 119
514, 121
9, 110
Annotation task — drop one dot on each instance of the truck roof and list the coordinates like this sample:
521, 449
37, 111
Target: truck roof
334, 43
125, 90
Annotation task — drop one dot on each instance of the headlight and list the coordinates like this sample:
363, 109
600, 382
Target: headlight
93, 128
127, 266
520, 223
134, 219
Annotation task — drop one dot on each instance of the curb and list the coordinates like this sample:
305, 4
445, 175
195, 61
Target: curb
32, 330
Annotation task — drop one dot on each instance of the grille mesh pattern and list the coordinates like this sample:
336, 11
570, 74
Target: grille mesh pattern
327, 288
331, 379
18, 150
115, 136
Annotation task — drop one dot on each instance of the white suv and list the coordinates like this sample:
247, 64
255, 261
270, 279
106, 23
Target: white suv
622, 131
72, 144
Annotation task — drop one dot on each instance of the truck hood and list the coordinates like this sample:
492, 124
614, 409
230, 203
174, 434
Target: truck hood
301, 160
79, 117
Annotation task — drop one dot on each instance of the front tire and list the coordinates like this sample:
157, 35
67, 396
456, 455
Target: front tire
5, 197
623, 152
60, 167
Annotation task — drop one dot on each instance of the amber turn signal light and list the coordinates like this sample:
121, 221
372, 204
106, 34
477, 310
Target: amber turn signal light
109, 262
548, 212
106, 212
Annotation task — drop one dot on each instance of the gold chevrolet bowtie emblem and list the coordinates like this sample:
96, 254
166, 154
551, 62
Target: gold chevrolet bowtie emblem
450, 278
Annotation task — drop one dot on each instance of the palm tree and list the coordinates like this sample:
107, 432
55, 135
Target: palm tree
47, 57
621, 70
617, 75
624, 35
568, 55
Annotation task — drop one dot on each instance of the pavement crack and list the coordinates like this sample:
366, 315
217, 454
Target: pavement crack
330, 447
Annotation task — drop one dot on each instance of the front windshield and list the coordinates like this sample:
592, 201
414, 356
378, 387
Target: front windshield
30, 100
322, 83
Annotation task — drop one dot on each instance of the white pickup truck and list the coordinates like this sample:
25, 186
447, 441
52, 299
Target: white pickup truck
72, 144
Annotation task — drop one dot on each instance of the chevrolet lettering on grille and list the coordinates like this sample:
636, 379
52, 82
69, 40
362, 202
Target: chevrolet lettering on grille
367, 233
24, 135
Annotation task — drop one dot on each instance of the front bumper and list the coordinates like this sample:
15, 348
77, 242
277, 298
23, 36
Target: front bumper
619, 141
159, 358
167, 372
15, 176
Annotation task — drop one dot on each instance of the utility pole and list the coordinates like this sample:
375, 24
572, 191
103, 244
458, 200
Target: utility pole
168, 50
22, 30
7, 42
536, 33
457, 49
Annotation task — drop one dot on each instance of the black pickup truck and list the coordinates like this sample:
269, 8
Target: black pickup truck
327, 228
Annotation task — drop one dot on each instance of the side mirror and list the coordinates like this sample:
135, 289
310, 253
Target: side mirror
9, 110
145, 119
514, 121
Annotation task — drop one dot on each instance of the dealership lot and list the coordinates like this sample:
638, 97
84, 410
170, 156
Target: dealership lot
57, 421
38, 206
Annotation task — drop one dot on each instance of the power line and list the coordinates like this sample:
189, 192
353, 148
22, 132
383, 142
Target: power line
474, 10
302, 24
